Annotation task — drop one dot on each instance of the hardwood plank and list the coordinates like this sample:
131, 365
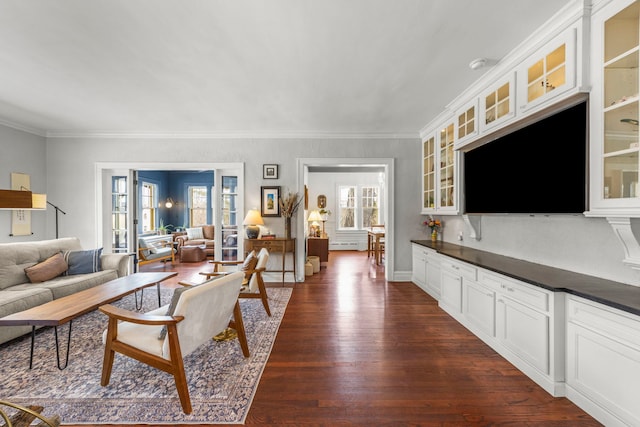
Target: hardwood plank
354, 349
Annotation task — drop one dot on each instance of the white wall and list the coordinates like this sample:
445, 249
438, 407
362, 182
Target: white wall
24, 153
576, 243
65, 170
71, 172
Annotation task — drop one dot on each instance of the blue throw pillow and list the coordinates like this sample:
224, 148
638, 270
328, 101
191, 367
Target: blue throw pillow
83, 262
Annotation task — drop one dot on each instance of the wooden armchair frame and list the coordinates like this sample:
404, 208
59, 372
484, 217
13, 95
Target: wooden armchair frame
262, 290
174, 365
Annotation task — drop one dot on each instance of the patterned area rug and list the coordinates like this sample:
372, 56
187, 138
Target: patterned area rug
222, 382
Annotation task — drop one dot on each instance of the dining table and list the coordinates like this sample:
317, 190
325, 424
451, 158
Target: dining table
375, 242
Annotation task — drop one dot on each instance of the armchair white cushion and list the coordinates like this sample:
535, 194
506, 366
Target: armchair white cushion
201, 313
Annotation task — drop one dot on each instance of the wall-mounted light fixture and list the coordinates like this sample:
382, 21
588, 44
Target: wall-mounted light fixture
169, 203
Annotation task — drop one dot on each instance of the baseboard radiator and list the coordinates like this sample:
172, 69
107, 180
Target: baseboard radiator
348, 241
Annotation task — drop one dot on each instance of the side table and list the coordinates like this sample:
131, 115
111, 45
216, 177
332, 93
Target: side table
278, 244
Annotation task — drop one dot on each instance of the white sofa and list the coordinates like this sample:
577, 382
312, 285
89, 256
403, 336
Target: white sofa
18, 293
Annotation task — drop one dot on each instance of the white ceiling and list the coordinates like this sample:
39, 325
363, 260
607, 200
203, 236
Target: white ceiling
248, 66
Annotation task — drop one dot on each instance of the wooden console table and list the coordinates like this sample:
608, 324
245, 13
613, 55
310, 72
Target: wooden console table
279, 244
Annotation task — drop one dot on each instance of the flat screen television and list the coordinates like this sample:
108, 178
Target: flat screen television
538, 169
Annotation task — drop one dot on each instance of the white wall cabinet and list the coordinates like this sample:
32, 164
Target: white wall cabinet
603, 361
614, 137
440, 175
498, 103
548, 73
426, 269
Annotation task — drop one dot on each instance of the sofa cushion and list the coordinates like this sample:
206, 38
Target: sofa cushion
15, 257
62, 286
52, 267
195, 233
82, 262
14, 301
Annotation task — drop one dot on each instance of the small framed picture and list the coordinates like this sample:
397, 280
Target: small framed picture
270, 201
269, 171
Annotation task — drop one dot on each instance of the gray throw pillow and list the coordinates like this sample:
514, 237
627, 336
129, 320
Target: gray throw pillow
83, 262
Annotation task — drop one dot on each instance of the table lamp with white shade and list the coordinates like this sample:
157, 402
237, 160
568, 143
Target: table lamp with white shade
313, 218
252, 220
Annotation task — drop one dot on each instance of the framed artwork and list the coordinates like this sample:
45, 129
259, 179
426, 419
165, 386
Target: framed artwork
270, 201
269, 171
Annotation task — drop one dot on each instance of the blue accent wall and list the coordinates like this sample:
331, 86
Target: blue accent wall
175, 184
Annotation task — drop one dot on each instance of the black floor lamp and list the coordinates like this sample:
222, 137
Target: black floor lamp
57, 210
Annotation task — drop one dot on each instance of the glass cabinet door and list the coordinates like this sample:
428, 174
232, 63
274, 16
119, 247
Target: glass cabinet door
447, 167
620, 78
547, 74
429, 173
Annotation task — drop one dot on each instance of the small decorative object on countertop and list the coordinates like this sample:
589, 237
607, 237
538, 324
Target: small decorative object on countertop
434, 225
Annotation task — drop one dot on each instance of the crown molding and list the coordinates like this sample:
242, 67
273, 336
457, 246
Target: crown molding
23, 128
233, 135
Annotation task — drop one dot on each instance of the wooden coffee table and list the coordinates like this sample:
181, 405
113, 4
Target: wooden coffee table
64, 310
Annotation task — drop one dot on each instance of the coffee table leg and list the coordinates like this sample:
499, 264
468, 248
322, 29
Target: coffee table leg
135, 295
33, 342
66, 362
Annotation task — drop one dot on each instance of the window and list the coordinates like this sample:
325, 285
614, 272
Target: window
197, 206
347, 198
370, 215
148, 202
358, 212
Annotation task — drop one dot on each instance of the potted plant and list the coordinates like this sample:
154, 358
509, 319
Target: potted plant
164, 229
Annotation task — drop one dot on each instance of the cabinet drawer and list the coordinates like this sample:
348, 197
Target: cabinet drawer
526, 294
463, 270
491, 280
607, 321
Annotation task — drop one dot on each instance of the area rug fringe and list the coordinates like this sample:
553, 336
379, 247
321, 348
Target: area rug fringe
222, 382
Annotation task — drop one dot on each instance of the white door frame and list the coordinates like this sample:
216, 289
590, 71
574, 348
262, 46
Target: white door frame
102, 169
389, 205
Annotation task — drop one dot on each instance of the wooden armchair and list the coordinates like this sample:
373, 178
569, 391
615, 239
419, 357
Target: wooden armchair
200, 312
253, 284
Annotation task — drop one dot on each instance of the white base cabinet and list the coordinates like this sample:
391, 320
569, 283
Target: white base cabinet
603, 361
452, 275
522, 322
426, 269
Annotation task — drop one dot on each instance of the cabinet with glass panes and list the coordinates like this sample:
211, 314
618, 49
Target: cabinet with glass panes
498, 103
614, 111
439, 171
548, 73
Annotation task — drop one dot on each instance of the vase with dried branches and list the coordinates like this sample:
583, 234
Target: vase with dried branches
288, 207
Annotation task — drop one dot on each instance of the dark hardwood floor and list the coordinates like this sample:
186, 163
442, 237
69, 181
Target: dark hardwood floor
356, 350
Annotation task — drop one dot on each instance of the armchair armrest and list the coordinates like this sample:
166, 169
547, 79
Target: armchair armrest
213, 261
140, 318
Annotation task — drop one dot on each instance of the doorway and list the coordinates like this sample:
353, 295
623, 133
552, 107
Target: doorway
382, 165
225, 204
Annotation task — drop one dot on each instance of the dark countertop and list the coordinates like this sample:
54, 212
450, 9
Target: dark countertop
608, 292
